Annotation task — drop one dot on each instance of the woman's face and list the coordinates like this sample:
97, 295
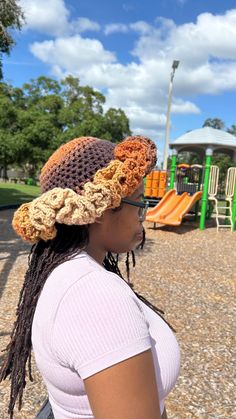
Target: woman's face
120, 230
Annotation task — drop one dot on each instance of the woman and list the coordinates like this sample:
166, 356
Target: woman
102, 352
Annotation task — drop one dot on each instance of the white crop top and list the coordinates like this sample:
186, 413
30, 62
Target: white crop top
88, 319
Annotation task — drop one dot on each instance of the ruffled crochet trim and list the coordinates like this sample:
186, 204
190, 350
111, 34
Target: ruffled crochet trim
134, 158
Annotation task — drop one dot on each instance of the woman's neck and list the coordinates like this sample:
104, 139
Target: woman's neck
97, 254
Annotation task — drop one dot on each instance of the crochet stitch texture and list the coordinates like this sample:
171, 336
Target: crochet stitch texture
81, 180
75, 163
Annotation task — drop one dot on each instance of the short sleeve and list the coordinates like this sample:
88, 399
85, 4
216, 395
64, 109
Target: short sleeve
99, 322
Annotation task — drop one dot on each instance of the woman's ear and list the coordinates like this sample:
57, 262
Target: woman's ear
105, 216
99, 220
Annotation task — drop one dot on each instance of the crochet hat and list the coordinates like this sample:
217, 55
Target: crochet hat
75, 163
81, 180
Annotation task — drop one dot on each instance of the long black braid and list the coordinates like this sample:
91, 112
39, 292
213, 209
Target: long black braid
43, 259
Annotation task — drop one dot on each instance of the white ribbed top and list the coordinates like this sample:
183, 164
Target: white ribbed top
88, 319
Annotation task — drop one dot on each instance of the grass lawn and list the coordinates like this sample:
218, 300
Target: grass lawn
11, 193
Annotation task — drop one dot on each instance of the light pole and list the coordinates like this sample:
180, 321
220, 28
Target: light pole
166, 148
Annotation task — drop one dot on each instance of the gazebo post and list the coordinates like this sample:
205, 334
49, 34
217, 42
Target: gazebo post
173, 168
234, 209
209, 153
198, 188
234, 200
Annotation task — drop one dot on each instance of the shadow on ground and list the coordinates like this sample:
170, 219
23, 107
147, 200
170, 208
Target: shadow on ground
10, 247
186, 226
14, 196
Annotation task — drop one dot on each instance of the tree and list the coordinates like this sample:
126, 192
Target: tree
8, 127
214, 123
34, 139
223, 161
39, 123
116, 125
189, 157
29, 124
11, 17
232, 130
83, 113
37, 118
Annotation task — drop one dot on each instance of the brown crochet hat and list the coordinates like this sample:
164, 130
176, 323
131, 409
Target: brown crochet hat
81, 180
75, 163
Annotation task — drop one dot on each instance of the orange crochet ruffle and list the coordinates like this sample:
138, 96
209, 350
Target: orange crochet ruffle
134, 158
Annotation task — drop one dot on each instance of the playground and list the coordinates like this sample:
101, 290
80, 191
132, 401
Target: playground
188, 273
195, 189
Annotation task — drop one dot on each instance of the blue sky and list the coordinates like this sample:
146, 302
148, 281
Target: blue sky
126, 48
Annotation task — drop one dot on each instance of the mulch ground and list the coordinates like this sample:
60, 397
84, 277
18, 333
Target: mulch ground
191, 275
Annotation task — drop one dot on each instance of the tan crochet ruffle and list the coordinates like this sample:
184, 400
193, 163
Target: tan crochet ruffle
134, 157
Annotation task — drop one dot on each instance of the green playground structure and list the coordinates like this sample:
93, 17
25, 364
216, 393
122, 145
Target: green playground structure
230, 197
204, 142
185, 179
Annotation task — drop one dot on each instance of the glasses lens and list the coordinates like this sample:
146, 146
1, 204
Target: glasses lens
142, 212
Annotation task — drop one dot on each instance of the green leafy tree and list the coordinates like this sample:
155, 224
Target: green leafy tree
29, 125
83, 114
41, 87
232, 130
216, 123
223, 161
8, 127
116, 125
34, 139
11, 17
83, 110
44, 113
90, 98
39, 123
189, 157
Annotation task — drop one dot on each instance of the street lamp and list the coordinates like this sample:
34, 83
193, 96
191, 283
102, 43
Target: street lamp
175, 65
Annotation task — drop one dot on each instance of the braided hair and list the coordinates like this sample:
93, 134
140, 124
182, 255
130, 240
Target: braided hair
43, 259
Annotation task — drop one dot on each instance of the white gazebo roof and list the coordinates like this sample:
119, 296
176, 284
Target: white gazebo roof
203, 138
207, 136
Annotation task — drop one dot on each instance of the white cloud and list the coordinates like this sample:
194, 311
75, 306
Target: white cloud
116, 27
141, 27
127, 7
72, 54
180, 106
53, 18
144, 118
192, 43
206, 50
83, 24
47, 16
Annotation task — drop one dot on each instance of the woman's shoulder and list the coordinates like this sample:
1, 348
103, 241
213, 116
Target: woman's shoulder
84, 276
82, 286
98, 312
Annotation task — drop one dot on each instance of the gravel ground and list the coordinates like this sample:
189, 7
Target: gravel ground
189, 274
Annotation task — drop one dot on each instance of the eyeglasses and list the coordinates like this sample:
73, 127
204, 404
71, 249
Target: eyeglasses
143, 207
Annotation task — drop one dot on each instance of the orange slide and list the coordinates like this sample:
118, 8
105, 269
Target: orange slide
172, 208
